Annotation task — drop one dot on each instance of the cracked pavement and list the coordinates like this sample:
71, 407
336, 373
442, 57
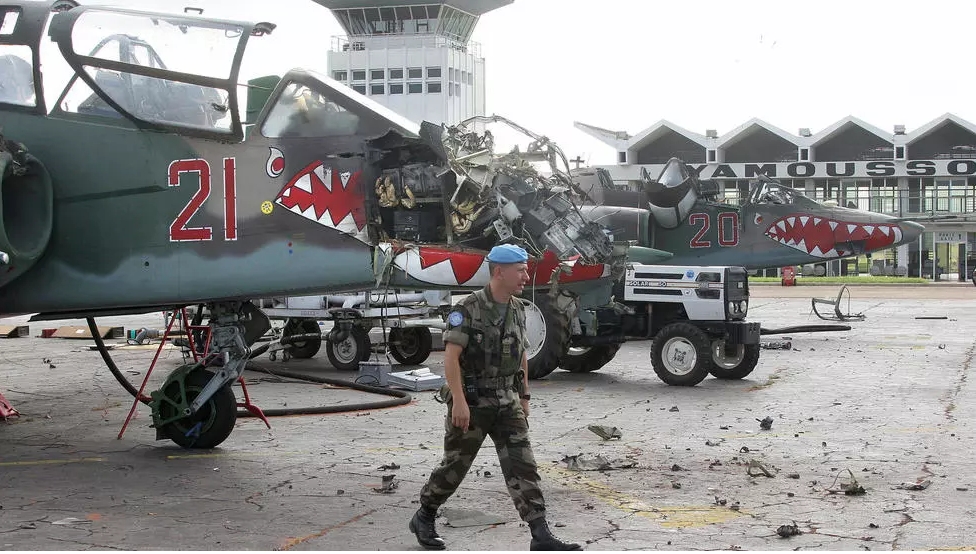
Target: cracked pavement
890, 402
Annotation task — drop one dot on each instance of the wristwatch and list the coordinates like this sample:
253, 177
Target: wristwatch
525, 396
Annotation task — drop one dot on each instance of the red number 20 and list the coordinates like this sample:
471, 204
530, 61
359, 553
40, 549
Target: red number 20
178, 230
728, 229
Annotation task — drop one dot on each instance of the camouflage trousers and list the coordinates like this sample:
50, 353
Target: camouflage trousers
509, 430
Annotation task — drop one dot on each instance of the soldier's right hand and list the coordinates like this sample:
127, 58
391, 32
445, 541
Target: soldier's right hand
460, 414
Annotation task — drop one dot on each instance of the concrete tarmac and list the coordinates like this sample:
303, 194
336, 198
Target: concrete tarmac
886, 408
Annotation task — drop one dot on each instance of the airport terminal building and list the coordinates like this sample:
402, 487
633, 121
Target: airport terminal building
927, 175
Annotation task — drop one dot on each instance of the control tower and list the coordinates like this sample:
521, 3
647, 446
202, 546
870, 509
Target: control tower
413, 56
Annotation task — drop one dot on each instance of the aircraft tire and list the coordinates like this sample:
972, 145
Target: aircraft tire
410, 345
216, 418
588, 359
548, 332
306, 348
346, 355
747, 356
681, 355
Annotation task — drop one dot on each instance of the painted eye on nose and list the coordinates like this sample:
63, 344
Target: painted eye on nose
276, 162
757, 219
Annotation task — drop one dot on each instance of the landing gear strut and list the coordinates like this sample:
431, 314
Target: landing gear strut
195, 407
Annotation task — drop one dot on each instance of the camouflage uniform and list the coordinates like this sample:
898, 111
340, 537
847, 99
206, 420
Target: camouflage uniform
491, 362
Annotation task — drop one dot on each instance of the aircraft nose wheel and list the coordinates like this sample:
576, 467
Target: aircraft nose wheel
206, 428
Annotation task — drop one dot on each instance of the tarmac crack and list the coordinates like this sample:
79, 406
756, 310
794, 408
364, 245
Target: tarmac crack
900, 526
91, 544
950, 396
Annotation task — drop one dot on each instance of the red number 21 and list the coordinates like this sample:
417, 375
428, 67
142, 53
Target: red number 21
178, 230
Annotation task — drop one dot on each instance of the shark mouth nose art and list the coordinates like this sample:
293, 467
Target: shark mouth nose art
827, 238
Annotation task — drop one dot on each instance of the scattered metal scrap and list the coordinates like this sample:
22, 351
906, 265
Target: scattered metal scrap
787, 531
916, 486
838, 315
584, 462
776, 345
389, 485
606, 433
850, 489
765, 423
757, 468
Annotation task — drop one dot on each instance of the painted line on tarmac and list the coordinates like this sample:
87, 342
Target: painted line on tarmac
668, 516
25, 463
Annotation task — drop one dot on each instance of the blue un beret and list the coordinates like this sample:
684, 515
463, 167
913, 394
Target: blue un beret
508, 254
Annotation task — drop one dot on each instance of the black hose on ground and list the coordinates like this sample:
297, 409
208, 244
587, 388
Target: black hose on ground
400, 397
804, 329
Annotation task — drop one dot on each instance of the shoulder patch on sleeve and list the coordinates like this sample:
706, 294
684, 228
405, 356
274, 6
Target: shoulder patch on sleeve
455, 319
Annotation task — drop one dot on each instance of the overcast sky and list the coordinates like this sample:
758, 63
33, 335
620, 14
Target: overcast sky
625, 64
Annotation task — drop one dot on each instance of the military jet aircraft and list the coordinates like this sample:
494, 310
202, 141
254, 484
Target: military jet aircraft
150, 182
775, 226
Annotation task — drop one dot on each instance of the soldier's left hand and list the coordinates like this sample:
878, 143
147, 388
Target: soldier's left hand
525, 407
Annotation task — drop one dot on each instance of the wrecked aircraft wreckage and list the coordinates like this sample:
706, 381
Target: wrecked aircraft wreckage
454, 210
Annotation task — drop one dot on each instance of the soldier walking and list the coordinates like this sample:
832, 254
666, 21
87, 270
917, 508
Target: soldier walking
487, 376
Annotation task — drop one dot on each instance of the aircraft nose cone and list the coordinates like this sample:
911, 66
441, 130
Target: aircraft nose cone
910, 231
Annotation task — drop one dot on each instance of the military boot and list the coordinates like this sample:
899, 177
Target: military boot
543, 539
422, 525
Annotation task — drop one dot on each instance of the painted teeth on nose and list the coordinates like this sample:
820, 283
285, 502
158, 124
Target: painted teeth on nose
803, 220
851, 228
869, 229
884, 229
791, 221
833, 225
817, 220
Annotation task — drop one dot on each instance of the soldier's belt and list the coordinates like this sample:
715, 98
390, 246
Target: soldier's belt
496, 383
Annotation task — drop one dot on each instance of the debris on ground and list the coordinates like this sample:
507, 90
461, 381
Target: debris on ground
916, 486
850, 489
766, 423
793, 476
70, 521
786, 531
757, 468
587, 462
673, 409
606, 433
776, 345
676, 467
710, 442
389, 466
389, 485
